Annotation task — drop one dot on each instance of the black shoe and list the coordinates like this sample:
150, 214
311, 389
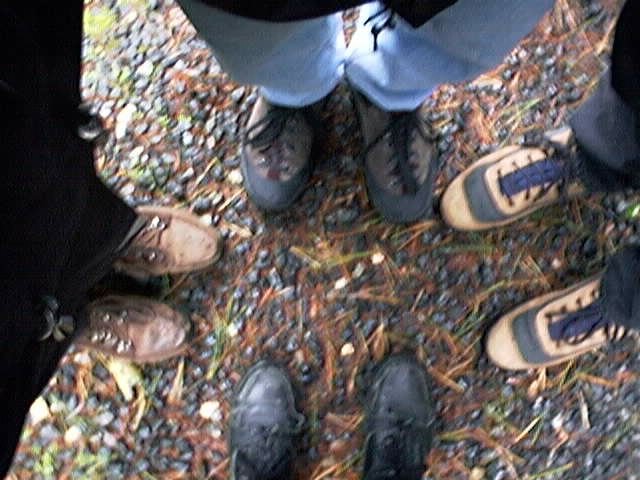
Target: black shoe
264, 425
399, 417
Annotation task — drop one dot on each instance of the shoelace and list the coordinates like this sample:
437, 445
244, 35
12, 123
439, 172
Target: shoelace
266, 135
394, 440
578, 326
388, 22
555, 170
399, 132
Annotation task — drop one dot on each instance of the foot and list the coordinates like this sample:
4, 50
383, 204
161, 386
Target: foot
552, 328
166, 241
134, 328
400, 161
276, 154
399, 415
512, 183
264, 425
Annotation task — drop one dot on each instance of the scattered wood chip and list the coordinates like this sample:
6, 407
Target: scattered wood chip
584, 412
126, 375
175, 394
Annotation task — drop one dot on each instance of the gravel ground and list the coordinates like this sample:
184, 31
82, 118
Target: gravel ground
329, 288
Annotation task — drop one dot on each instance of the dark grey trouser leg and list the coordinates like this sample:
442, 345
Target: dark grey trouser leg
619, 292
607, 126
60, 225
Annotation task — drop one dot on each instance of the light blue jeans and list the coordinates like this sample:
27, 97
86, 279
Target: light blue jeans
298, 63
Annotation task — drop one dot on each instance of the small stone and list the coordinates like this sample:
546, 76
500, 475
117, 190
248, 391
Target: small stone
377, 258
123, 119
209, 409
146, 69
341, 283
358, 270
235, 176
347, 350
39, 411
72, 435
477, 473
104, 419
187, 138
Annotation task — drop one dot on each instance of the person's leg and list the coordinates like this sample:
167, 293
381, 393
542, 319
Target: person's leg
62, 228
601, 151
295, 64
397, 69
607, 126
458, 44
55, 213
563, 324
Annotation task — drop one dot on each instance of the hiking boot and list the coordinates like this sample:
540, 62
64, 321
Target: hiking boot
134, 328
276, 154
264, 425
400, 161
512, 183
167, 240
399, 417
552, 328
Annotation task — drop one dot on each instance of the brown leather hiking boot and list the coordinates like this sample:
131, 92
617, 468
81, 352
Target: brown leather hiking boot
167, 240
276, 154
400, 161
134, 328
512, 183
552, 328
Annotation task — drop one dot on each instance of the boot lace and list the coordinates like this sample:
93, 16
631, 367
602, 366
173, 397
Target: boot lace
266, 136
556, 170
381, 20
399, 135
578, 326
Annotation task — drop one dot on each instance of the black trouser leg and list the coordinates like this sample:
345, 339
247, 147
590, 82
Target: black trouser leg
607, 126
60, 225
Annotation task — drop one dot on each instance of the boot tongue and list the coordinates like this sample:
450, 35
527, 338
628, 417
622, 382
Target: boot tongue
580, 323
537, 174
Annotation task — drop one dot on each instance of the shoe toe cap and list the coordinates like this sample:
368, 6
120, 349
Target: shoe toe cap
502, 347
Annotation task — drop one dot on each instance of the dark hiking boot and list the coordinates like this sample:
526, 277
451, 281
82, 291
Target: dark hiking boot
276, 154
513, 182
400, 161
167, 240
264, 425
399, 417
552, 328
134, 328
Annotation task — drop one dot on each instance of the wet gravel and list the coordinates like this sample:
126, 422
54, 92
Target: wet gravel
328, 288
